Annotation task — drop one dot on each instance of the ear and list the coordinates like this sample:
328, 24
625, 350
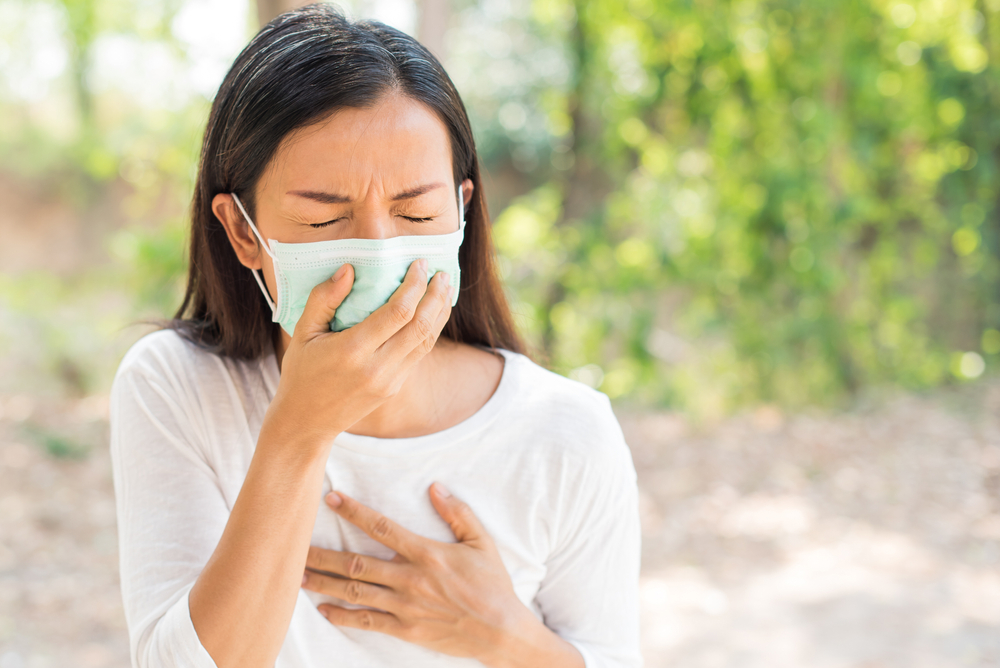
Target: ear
240, 235
467, 189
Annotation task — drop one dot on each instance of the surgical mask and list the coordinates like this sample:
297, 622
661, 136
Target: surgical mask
379, 268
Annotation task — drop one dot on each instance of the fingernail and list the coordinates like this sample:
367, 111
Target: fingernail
451, 293
446, 277
340, 273
442, 491
334, 499
305, 579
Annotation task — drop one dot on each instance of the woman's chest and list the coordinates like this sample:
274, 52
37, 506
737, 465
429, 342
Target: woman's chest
401, 493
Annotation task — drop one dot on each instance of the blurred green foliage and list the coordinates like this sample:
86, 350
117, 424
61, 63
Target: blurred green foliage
701, 204
760, 201
122, 165
55, 444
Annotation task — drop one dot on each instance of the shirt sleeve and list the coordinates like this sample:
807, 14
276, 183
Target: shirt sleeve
590, 594
171, 514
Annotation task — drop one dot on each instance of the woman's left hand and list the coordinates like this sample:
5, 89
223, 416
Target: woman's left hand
455, 598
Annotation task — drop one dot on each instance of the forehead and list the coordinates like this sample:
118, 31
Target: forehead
394, 143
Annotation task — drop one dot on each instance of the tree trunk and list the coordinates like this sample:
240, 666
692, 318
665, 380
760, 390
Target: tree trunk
268, 9
578, 187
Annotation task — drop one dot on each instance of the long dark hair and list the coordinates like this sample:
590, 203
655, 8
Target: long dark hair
298, 69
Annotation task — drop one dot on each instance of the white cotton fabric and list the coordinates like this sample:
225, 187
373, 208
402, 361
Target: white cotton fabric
543, 465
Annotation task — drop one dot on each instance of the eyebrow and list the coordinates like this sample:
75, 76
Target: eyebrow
334, 198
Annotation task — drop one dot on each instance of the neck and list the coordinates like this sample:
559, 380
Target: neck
419, 408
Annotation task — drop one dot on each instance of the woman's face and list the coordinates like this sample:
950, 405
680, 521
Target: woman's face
359, 174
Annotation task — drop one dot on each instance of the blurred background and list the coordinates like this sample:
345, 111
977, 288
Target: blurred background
768, 230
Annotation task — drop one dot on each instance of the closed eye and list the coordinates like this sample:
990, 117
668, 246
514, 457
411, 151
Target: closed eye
409, 218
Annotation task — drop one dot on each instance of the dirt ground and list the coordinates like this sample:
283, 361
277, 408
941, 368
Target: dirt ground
865, 539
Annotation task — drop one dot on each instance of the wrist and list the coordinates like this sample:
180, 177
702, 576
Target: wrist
526, 641
293, 438
297, 413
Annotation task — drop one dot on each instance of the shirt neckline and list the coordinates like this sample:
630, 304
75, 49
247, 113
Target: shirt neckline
422, 445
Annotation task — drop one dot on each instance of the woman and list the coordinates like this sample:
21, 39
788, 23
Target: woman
347, 487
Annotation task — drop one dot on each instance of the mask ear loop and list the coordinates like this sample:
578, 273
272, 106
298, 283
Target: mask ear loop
461, 208
267, 250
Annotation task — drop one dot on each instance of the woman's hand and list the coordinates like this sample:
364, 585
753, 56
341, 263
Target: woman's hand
330, 380
455, 598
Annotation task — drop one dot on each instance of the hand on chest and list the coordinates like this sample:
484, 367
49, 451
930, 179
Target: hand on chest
404, 499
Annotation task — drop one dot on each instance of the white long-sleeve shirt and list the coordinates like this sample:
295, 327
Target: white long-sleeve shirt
543, 464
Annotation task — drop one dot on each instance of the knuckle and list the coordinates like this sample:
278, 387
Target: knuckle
354, 592
400, 312
382, 528
423, 326
418, 587
356, 567
366, 619
432, 559
372, 375
383, 386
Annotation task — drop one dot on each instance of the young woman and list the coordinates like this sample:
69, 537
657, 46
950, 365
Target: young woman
338, 455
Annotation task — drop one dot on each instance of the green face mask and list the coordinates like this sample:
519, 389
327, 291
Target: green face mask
379, 268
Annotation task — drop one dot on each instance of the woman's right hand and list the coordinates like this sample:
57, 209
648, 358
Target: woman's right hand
331, 380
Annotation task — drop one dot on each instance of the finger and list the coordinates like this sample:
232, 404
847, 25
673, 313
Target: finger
420, 334
443, 318
323, 302
459, 516
351, 591
376, 525
353, 566
392, 316
367, 620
